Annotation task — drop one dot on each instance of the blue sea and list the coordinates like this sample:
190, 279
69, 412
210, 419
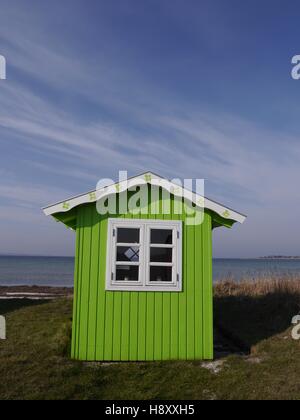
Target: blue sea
58, 271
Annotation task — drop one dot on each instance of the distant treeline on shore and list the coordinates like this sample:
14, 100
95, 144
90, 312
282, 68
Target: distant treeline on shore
280, 257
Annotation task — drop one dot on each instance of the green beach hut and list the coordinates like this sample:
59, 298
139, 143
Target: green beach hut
143, 270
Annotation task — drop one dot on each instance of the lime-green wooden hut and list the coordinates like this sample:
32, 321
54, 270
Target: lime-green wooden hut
143, 278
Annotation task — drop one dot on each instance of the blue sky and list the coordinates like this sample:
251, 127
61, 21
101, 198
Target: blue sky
191, 89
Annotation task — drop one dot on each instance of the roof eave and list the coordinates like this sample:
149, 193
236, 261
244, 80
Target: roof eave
147, 178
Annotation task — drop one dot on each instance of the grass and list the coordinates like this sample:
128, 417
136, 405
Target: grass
34, 362
253, 311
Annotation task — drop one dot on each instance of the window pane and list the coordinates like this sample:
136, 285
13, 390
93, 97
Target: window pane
127, 273
128, 236
128, 253
161, 236
161, 274
161, 255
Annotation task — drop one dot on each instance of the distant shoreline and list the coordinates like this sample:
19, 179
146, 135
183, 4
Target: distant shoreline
279, 257
35, 256
34, 292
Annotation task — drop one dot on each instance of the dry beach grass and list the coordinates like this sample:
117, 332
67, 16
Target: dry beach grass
259, 287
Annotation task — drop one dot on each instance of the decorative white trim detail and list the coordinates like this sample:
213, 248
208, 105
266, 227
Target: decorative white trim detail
144, 285
147, 178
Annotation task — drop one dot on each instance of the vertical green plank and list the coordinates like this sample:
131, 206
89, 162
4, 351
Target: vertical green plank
158, 325
207, 290
174, 340
117, 317
100, 338
109, 316
150, 326
117, 323
134, 332
81, 218
166, 325
142, 297
183, 299
174, 323
191, 293
125, 338
85, 274
78, 300
198, 292
93, 296
76, 295
109, 323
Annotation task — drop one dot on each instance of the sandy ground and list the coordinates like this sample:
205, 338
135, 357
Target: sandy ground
34, 292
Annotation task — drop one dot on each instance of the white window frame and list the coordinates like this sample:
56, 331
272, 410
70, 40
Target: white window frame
144, 284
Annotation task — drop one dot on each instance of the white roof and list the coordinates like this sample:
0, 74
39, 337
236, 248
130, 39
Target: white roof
146, 178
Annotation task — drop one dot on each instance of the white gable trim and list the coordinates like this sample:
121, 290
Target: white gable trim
147, 178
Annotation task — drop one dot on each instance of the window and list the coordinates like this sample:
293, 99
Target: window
144, 255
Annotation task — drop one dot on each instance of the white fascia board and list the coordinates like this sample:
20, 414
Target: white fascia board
146, 178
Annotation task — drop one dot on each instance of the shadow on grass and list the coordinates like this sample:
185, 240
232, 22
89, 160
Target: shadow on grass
11, 305
248, 320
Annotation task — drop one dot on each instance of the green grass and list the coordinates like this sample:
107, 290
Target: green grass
34, 362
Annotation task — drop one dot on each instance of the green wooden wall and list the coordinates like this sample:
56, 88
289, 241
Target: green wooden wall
114, 326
